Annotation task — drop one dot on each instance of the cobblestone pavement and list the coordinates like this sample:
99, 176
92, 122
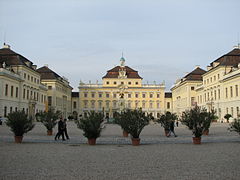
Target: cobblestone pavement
158, 157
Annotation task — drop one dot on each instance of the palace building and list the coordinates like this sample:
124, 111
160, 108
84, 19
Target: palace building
121, 88
216, 89
20, 84
58, 93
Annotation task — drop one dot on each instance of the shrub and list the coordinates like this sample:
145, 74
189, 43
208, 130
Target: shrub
166, 118
227, 116
235, 126
197, 120
91, 125
49, 119
19, 123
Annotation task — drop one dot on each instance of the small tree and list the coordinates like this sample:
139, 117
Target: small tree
91, 125
121, 119
166, 118
19, 123
49, 118
197, 120
227, 117
235, 126
135, 121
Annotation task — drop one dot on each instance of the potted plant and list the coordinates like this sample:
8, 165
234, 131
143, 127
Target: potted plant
165, 120
227, 117
91, 125
121, 120
136, 120
235, 126
207, 124
19, 124
197, 120
49, 120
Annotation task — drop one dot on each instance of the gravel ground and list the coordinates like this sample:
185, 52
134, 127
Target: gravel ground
159, 157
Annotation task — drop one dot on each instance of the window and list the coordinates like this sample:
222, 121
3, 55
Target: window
231, 91
192, 101
100, 95
214, 78
236, 89
150, 95
136, 104
158, 105
114, 82
92, 104
28, 77
11, 91
122, 82
85, 104
218, 76
158, 115
74, 104
129, 104
237, 109
168, 105
114, 104
35, 80
115, 95
215, 94
100, 104
129, 95
107, 82
85, 94
219, 94
49, 87
107, 95
136, 83
16, 92
49, 101
226, 92
158, 95
16, 109
31, 78
5, 111
211, 79
232, 111
11, 109
129, 83
25, 75
107, 104
136, 95
24, 92
192, 88
143, 104
143, 95
151, 105
93, 95
6, 90
226, 110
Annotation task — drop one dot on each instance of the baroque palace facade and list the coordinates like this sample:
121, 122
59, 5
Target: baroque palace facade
121, 88
20, 84
218, 88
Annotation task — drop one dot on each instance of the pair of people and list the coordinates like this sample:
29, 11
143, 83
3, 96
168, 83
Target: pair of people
62, 129
171, 129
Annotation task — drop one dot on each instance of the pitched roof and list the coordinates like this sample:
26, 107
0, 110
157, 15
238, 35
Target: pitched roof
168, 95
12, 58
195, 75
114, 72
232, 58
47, 73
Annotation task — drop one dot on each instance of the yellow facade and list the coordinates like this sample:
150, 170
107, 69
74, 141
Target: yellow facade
121, 91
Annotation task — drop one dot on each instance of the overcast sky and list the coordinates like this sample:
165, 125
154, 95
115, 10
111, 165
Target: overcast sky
82, 39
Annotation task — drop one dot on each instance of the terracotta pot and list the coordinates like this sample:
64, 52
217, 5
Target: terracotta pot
92, 141
205, 132
18, 139
135, 141
196, 140
49, 132
125, 133
166, 132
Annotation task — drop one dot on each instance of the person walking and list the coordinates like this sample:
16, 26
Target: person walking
60, 130
65, 128
171, 129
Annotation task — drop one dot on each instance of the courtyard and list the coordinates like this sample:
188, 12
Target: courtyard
158, 157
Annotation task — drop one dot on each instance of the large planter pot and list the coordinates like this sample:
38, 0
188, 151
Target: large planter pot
135, 141
196, 140
205, 132
18, 139
125, 133
49, 132
92, 141
166, 132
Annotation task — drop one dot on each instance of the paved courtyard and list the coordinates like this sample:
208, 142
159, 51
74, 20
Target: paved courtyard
158, 157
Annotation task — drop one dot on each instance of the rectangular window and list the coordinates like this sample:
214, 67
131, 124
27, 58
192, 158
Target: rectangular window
143, 95
143, 104
85, 104
107, 104
24, 93
100, 95
6, 89
93, 104
231, 91
168, 105
192, 101
237, 111
232, 111
151, 95
129, 95
136, 95
236, 89
107, 95
16, 92
93, 95
74, 104
151, 105
49, 101
226, 92
85, 95
158, 105
219, 95
158, 95
49, 87
100, 105
11, 91
115, 95
215, 94
136, 104
192, 88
